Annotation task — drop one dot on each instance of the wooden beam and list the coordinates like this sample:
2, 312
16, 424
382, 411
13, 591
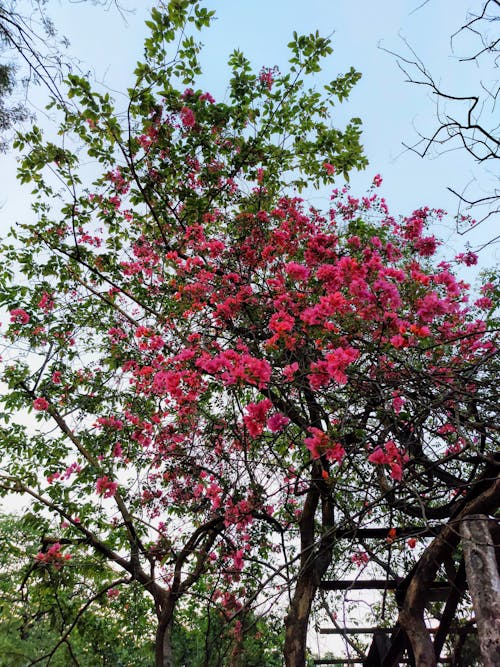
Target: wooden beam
338, 661
382, 533
359, 661
358, 584
437, 591
361, 631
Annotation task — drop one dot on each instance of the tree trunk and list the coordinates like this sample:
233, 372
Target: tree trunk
484, 584
163, 640
411, 615
316, 555
297, 621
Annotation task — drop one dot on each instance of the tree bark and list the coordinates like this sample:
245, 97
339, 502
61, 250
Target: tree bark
163, 640
411, 615
484, 584
297, 621
316, 555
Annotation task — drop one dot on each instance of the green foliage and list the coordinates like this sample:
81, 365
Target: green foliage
39, 604
204, 638
10, 115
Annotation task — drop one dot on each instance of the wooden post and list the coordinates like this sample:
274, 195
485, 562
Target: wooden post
484, 584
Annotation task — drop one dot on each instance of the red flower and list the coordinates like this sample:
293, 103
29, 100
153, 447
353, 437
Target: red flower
106, 487
378, 457
277, 422
19, 316
391, 536
40, 404
187, 117
329, 168
266, 77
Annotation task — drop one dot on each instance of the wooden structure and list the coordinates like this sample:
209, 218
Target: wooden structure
477, 570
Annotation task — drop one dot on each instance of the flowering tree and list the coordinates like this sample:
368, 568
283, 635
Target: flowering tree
223, 376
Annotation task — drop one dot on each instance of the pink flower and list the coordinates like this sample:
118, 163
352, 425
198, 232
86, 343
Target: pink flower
397, 403
113, 593
396, 472
105, 487
318, 443
40, 404
281, 322
484, 303
321, 445
377, 180
56, 377
398, 341
206, 97
360, 558
46, 303
256, 416
19, 316
238, 559
297, 271
335, 453
117, 450
467, 258
432, 306
392, 456
337, 362
329, 168
187, 117
378, 456
53, 556
290, 370
277, 422
426, 246
266, 77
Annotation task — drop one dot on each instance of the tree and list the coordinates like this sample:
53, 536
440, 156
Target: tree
29, 44
224, 378
9, 115
71, 611
283, 130
466, 120
75, 610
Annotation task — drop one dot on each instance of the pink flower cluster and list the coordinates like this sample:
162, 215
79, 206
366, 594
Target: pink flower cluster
235, 367
360, 558
266, 77
187, 117
53, 556
277, 422
393, 457
40, 404
106, 487
19, 316
46, 302
256, 416
319, 444
333, 367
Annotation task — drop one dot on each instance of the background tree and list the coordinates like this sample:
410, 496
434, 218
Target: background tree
69, 611
466, 120
32, 52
